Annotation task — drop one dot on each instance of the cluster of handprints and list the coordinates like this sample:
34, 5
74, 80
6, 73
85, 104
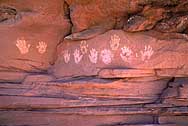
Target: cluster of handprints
106, 55
24, 47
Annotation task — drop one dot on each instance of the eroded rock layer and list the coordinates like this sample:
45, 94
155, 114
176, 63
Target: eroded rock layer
94, 63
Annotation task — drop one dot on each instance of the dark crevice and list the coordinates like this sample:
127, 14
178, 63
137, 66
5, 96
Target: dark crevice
9, 15
68, 16
6, 13
160, 98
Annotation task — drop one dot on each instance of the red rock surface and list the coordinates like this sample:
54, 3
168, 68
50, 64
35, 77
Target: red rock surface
30, 41
29, 37
93, 62
119, 49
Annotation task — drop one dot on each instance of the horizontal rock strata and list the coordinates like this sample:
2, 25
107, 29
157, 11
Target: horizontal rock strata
93, 63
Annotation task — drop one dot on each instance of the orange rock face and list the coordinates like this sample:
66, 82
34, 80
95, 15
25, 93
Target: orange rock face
120, 50
29, 34
93, 62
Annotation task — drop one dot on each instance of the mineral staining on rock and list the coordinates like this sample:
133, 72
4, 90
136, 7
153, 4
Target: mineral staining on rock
22, 45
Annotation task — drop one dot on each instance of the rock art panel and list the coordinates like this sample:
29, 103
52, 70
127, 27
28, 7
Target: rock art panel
84, 47
135, 51
22, 45
66, 56
42, 46
93, 56
29, 43
126, 54
96, 73
77, 56
114, 42
146, 53
106, 56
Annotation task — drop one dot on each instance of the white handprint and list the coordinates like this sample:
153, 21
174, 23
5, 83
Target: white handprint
115, 42
41, 47
106, 56
83, 47
126, 53
22, 46
93, 56
147, 53
66, 56
77, 56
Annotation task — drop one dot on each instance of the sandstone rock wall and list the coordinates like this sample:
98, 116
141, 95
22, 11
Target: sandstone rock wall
93, 62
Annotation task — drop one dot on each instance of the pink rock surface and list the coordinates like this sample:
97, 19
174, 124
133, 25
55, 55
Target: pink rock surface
29, 38
118, 49
93, 62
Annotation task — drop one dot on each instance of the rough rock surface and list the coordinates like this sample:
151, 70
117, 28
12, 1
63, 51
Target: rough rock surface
93, 62
30, 34
119, 49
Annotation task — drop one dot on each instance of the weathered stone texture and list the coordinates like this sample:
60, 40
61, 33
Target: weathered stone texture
29, 35
30, 42
93, 62
119, 49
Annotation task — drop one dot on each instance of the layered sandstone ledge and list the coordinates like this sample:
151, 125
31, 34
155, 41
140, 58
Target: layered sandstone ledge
94, 63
